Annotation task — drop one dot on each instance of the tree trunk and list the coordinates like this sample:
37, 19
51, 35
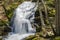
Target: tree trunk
41, 16
58, 17
45, 9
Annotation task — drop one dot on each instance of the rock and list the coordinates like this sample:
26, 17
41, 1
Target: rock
30, 37
50, 33
46, 32
57, 38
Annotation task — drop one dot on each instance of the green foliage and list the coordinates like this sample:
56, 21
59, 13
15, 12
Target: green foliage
52, 12
50, 4
10, 9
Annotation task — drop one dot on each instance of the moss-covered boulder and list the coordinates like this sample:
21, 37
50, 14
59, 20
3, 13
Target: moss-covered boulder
57, 38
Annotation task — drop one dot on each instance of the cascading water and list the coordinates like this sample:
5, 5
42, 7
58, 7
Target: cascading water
21, 21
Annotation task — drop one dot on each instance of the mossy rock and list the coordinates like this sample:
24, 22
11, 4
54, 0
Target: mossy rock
39, 38
30, 37
36, 38
57, 38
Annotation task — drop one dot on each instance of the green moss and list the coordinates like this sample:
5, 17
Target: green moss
0, 38
57, 38
35, 39
30, 37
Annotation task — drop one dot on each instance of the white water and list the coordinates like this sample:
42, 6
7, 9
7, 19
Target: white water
21, 21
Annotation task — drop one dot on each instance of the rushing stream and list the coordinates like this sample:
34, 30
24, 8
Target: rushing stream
21, 21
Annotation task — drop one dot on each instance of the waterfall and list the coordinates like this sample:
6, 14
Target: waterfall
21, 21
